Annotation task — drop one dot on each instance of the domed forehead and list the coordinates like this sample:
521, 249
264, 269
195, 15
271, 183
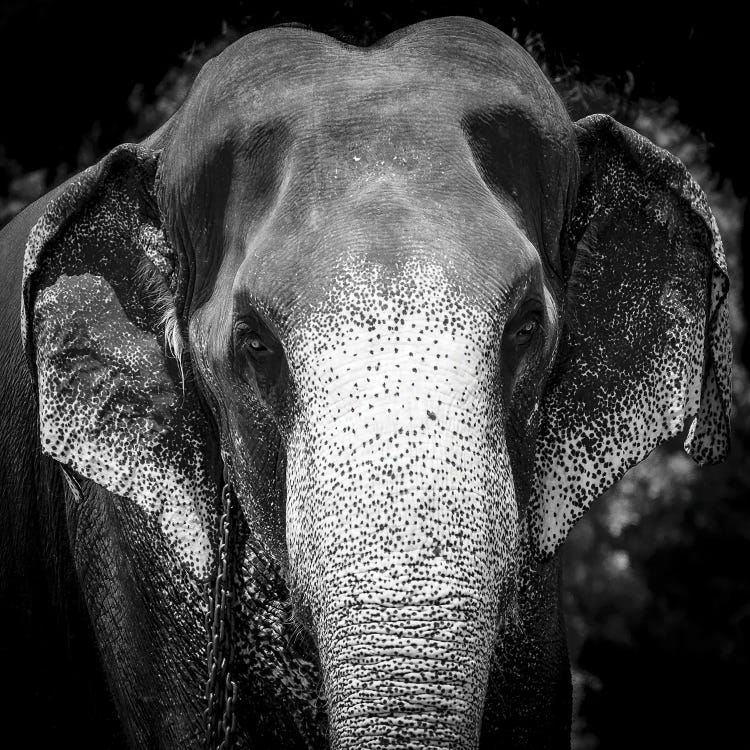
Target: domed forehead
442, 143
446, 68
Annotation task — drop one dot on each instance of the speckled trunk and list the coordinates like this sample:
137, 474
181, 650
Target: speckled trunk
406, 588
401, 514
403, 675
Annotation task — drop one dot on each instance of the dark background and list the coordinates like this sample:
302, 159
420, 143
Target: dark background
658, 573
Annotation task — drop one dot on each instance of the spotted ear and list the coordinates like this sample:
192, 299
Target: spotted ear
103, 343
646, 349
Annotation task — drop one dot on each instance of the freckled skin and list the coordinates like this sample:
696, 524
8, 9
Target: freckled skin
423, 319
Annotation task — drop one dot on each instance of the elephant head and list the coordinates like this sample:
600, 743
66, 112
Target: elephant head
416, 316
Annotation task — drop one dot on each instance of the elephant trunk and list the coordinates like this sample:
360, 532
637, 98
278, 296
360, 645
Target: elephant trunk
406, 590
401, 508
405, 675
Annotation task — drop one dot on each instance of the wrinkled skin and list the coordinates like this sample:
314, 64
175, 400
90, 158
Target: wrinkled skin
419, 320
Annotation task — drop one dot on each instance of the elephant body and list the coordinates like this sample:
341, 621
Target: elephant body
309, 387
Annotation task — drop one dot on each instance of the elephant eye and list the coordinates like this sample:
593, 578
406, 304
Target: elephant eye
250, 338
525, 333
255, 343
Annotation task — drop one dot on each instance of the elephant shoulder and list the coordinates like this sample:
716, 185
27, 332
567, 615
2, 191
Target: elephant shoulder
45, 638
19, 450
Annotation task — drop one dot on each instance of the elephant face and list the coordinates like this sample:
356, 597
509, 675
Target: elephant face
380, 305
419, 317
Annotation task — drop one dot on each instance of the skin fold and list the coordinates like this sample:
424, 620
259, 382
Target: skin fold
418, 319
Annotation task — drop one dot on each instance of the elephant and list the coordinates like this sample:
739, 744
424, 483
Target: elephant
310, 386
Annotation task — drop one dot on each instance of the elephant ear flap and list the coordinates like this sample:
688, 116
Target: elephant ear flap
102, 340
646, 349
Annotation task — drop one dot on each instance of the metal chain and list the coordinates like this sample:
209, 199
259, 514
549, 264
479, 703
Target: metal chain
221, 690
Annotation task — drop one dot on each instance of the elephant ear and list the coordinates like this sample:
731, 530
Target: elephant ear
646, 349
102, 339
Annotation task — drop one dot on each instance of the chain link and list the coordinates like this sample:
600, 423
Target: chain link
221, 690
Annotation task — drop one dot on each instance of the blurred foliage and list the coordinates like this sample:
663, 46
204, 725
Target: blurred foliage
657, 589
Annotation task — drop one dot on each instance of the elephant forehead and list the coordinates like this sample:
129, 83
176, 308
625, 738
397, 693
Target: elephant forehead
428, 78
349, 256
444, 141
285, 69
